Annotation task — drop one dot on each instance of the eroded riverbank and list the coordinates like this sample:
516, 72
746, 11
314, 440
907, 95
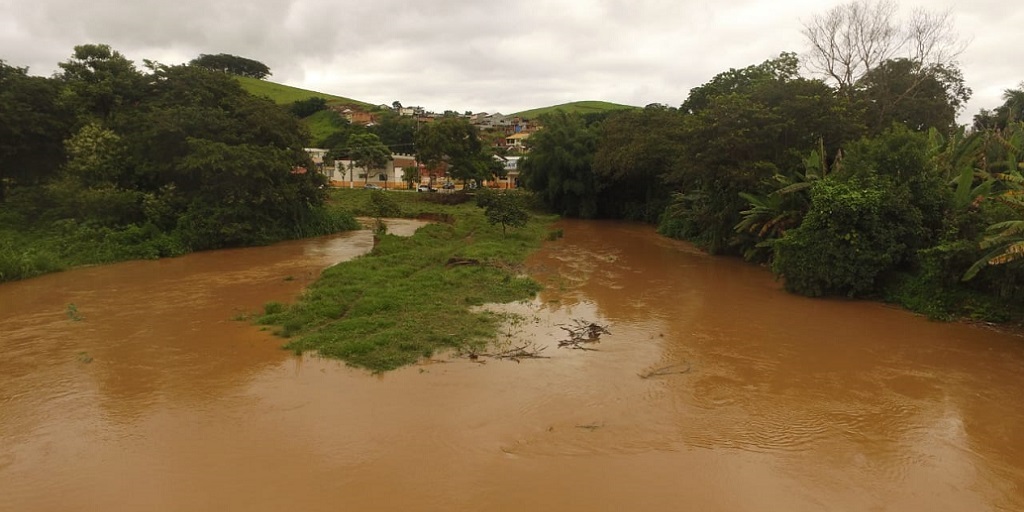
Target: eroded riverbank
787, 403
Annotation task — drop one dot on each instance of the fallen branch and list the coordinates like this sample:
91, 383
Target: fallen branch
582, 332
530, 351
674, 369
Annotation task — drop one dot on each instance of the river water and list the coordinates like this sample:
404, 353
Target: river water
716, 390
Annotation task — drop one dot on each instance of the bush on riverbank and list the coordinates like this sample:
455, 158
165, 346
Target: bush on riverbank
404, 300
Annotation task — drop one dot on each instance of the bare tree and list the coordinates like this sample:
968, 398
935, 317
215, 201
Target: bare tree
854, 38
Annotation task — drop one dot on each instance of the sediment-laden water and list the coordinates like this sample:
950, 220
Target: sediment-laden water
715, 391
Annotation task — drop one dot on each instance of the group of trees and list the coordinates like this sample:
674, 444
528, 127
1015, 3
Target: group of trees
178, 152
232, 64
856, 182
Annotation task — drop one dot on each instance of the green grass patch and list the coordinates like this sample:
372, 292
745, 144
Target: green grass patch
578, 107
285, 94
402, 301
323, 124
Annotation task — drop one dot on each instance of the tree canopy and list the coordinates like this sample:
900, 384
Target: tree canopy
179, 150
232, 64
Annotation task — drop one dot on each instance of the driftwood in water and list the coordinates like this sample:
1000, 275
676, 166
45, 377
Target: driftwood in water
581, 333
672, 369
530, 351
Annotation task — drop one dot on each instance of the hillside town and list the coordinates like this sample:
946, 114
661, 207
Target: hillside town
507, 135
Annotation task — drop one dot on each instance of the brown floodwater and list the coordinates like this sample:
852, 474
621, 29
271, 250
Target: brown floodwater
716, 390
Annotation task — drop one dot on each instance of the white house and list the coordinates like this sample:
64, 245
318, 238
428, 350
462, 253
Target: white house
346, 173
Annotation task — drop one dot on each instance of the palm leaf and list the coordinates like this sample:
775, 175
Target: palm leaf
1009, 253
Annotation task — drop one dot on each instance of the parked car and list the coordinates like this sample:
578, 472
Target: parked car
425, 188
371, 186
449, 186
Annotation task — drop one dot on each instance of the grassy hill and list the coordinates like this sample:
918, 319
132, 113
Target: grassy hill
284, 94
322, 124
581, 107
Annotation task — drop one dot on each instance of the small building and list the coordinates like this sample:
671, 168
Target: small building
515, 142
346, 174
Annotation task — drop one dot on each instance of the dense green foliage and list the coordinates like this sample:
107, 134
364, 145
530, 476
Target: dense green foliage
232, 64
559, 168
869, 190
505, 208
455, 144
404, 301
307, 107
125, 164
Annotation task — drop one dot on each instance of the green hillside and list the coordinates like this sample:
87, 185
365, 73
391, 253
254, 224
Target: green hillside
322, 124
581, 107
284, 94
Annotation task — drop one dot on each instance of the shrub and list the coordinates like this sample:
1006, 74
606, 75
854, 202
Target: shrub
853, 233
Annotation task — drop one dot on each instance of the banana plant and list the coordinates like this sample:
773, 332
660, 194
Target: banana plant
1006, 238
770, 216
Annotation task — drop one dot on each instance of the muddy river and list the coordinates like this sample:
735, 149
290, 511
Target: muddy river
134, 387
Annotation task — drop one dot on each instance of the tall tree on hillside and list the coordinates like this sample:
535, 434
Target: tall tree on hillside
233, 64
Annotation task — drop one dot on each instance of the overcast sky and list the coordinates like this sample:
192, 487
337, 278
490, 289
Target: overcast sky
482, 55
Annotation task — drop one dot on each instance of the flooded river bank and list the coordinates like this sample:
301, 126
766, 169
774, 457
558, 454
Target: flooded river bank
155, 399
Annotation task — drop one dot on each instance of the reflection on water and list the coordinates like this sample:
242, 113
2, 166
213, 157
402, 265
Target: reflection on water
157, 400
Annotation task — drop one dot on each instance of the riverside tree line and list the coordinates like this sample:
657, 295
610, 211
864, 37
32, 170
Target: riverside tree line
855, 181
105, 161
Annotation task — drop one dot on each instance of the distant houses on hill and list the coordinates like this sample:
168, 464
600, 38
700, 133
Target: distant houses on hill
346, 174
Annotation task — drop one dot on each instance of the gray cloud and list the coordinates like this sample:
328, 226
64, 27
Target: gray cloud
478, 55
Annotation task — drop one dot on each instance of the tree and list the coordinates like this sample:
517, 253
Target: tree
559, 165
771, 215
307, 107
33, 126
785, 67
636, 151
1004, 239
853, 234
368, 152
506, 209
232, 64
382, 205
851, 39
903, 91
99, 81
1011, 111
218, 165
454, 143
744, 127
396, 131
410, 175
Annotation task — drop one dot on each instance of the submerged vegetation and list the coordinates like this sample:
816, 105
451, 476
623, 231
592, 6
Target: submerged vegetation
412, 296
